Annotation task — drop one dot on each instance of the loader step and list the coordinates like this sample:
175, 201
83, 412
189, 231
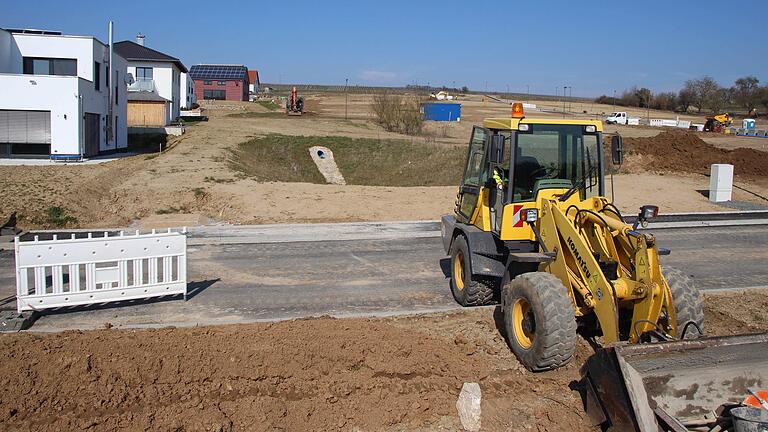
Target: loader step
532, 256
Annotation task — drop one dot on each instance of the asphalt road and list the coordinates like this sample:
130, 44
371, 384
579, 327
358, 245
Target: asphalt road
371, 275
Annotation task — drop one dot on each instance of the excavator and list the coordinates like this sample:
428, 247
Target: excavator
533, 230
718, 123
295, 104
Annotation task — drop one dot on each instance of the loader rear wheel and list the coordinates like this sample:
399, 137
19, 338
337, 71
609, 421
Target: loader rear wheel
467, 289
539, 320
687, 300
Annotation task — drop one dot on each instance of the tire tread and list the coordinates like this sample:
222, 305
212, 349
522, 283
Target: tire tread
555, 345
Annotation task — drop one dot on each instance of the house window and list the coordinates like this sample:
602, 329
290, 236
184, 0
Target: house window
50, 66
144, 73
206, 83
97, 76
215, 94
222, 83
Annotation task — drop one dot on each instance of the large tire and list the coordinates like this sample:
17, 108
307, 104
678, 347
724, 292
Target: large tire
468, 290
540, 321
687, 300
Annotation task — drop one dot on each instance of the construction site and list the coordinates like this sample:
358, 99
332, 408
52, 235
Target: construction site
306, 257
335, 326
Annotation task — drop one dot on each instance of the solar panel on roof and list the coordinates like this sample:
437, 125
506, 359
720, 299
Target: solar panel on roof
214, 72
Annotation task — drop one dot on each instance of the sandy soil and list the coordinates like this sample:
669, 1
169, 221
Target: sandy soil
322, 374
192, 178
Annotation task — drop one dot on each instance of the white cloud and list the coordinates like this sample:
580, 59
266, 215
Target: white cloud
377, 76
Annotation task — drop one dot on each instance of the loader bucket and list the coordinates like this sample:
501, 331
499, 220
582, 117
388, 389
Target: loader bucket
670, 384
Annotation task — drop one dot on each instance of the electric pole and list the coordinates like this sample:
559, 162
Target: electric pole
346, 97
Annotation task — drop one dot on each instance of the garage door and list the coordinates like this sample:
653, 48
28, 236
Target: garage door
25, 133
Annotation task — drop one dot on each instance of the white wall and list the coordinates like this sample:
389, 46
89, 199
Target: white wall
57, 94
187, 95
96, 102
167, 78
75, 47
67, 98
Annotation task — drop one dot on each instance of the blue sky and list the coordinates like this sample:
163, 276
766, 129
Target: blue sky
595, 47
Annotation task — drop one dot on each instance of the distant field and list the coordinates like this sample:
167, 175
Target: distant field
362, 161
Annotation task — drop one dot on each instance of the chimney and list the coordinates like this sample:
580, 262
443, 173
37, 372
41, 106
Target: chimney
140, 39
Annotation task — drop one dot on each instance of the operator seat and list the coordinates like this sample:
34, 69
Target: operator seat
523, 180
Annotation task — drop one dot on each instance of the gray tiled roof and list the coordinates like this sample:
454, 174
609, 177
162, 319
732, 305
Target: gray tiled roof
132, 51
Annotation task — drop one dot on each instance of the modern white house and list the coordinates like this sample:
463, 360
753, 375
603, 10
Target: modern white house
54, 96
156, 77
188, 97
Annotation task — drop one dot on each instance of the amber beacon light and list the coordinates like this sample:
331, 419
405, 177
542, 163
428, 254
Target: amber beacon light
517, 110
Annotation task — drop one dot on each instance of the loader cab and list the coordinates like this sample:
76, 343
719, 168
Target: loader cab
512, 162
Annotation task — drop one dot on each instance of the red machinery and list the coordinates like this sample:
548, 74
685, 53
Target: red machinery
294, 105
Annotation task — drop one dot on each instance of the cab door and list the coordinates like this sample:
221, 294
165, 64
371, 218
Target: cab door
475, 174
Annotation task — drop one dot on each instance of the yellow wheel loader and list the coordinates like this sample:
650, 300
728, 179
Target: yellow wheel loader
534, 231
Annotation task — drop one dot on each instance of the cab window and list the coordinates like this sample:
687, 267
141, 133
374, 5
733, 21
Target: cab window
556, 156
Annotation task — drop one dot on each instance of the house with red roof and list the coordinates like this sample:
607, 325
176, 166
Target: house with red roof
253, 77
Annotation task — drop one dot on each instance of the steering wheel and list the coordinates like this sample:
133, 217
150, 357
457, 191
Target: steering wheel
544, 171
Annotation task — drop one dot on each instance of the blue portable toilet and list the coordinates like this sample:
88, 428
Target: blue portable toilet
437, 111
748, 123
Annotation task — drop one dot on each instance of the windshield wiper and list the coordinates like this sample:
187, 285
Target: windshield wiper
579, 184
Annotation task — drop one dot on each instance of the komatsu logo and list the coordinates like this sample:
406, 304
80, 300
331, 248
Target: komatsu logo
579, 259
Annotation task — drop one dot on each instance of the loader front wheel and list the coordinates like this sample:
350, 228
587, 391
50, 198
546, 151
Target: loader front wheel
467, 289
539, 320
688, 303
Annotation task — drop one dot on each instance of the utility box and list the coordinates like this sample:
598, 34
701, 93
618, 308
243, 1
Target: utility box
720, 182
748, 123
441, 111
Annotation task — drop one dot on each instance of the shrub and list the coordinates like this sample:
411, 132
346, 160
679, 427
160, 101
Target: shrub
57, 216
398, 114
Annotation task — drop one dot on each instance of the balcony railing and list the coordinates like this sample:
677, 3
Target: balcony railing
142, 84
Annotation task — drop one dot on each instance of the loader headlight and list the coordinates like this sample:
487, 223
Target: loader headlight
649, 212
646, 212
523, 127
590, 129
531, 215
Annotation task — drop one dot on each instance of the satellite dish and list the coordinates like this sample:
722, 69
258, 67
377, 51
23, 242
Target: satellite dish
129, 79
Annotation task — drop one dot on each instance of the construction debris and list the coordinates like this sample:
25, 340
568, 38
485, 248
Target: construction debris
468, 406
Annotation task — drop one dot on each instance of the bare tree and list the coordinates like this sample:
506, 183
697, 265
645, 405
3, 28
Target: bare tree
685, 98
396, 113
719, 99
746, 92
763, 96
643, 96
629, 98
704, 90
665, 101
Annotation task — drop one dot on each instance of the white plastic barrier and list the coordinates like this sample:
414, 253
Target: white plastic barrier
663, 122
98, 269
683, 124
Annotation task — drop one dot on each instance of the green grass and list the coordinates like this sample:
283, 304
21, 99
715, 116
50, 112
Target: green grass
57, 216
268, 104
362, 161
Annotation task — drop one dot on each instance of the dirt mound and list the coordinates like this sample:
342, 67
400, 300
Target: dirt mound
315, 374
395, 374
682, 151
734, 313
